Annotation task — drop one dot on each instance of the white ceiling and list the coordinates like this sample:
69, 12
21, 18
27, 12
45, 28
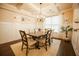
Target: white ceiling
47, 9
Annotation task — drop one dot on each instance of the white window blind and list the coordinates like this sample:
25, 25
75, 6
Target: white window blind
54, 22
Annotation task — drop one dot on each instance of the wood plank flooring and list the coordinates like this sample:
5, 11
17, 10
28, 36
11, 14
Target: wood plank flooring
65, 49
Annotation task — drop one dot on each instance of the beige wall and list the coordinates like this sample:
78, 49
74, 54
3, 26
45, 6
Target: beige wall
10, 23
8, 32
68, 15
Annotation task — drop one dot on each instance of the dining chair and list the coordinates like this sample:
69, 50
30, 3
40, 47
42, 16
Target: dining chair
49, 32
26, 41
45, 40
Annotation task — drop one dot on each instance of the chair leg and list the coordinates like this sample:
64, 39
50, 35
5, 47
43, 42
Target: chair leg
22, 46
27, 51
46, 45
49, 42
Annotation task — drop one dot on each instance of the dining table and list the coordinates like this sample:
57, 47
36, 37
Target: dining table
37, 36
55, 35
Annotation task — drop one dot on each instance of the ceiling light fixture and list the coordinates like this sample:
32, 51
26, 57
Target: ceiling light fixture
40, 17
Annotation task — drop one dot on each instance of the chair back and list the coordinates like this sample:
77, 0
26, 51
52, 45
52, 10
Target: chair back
49, 34
23, 35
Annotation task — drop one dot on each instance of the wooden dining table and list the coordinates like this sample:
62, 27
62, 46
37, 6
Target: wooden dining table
37, 36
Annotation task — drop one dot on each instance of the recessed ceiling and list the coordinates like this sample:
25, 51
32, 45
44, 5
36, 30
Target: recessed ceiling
64, 6
47, 9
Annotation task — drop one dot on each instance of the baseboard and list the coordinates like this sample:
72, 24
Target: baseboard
11, 42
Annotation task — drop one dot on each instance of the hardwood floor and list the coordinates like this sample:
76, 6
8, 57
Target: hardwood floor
65, 49
5, 49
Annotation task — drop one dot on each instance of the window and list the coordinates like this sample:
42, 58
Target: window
54, 22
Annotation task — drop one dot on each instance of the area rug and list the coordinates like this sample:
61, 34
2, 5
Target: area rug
52, 50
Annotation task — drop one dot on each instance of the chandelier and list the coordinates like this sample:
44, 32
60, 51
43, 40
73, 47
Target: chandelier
40, 18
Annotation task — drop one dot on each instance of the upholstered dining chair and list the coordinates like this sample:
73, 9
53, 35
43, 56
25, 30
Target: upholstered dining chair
49, 32
26, 41
45, 41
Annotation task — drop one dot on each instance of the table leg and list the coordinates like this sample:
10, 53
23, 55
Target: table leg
37, 45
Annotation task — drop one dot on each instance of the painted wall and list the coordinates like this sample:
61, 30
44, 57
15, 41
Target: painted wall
68, 15
10, 23
75, 34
